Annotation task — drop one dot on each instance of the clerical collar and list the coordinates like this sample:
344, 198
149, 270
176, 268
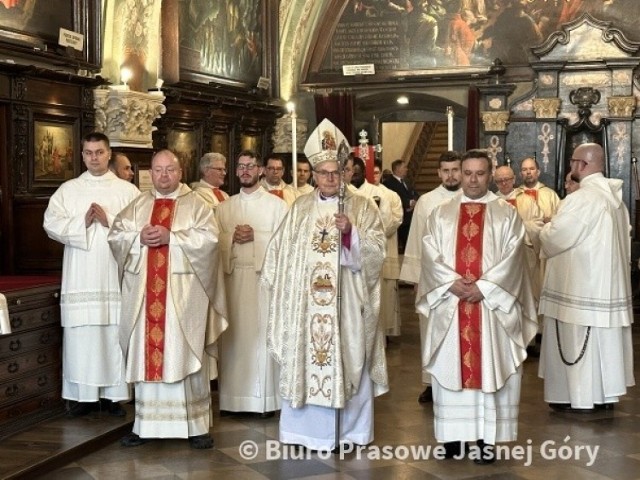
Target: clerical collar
484, 199
327, 199
173, 195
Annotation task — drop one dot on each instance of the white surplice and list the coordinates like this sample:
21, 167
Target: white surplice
508, 323
92, 362
248, 376
391, 213
587, 283
412, 259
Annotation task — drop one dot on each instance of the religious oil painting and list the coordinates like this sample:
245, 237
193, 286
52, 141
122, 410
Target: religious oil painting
32, 27
220, 143
184, 143
37, 18
251, 142
54, 152
459, 35
222, 39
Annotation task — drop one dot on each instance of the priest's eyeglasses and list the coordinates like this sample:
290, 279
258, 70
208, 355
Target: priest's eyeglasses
326, 174
218, 169
246, 166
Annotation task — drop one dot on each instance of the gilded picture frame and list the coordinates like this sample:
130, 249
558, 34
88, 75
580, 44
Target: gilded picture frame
30, 29
230, 44
54, 151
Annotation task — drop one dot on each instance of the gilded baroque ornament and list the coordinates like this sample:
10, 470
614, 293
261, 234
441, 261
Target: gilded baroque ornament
126, 116
595, 79
325, 237
546, 79
546, 107
495, 103
321, 339
495, 121
622, 78
621, 107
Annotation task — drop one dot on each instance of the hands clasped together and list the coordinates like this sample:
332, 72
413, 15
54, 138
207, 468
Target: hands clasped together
243, 234
154, 236
95, 213
466, 290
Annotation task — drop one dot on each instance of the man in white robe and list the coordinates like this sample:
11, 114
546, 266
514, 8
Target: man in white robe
531, 217
391, 221
303, 173
389, 303
587, 356
449, 174
248, 376
78, 216
480, 314
213, 170
273, 182
174, 308
121, 166
330, 364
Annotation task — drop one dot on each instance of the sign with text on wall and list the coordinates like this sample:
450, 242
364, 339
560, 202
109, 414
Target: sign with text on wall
69, 38
363, 69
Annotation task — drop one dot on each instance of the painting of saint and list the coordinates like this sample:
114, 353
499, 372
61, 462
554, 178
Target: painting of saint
222, 38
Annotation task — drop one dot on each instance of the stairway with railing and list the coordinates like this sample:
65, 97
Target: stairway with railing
428, 145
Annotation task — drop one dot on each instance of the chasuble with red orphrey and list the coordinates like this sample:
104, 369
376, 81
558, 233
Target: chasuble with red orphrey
156, 304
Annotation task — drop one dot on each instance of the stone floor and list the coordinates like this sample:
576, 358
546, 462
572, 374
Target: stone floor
558, 442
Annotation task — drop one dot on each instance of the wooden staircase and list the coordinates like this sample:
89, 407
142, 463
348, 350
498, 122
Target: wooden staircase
427, 146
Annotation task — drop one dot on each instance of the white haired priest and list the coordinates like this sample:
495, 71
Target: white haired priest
322, 267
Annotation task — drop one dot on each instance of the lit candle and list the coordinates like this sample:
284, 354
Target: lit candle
291, 107
449, 128
125, 76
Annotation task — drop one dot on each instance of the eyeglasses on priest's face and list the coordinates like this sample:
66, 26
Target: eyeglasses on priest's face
327, 173
246, 166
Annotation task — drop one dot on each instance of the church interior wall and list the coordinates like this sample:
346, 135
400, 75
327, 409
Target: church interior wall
228, 113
